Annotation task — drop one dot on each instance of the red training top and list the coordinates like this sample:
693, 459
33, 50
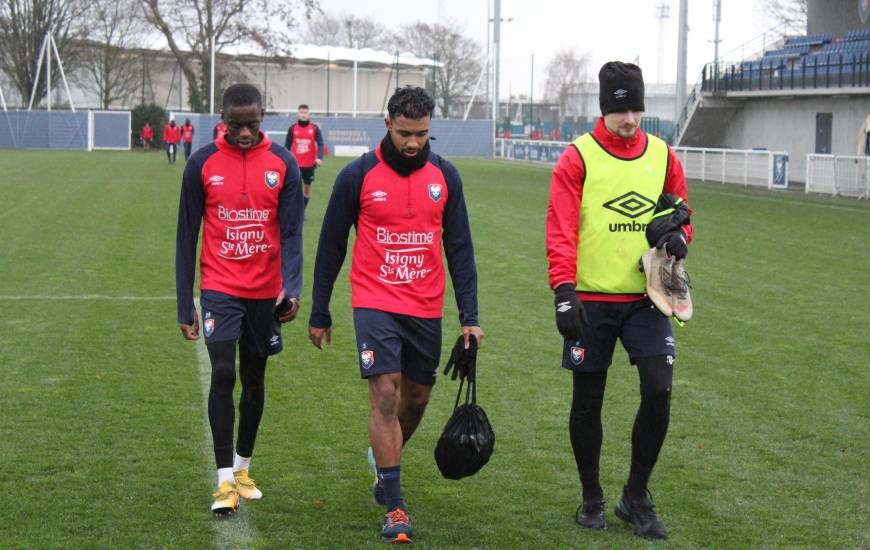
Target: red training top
566, 194
147, 132
187, 133
171, 134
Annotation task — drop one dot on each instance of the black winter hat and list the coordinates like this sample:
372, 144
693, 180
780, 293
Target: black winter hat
620, 87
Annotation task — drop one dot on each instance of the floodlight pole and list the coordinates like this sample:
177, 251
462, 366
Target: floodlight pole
211, 85
496, 39
682, 38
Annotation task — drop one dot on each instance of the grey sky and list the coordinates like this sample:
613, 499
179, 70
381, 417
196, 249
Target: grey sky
614, 29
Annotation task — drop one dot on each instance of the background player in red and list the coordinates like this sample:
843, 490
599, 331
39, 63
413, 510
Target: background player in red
171, 137
187, 137
305, 141
404, 201
219, 131
246, 192
146, 136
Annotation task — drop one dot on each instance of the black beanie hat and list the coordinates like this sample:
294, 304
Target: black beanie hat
620, 87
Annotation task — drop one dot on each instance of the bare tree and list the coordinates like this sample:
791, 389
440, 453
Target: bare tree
791, 12
458, 60
349, 31
109, 68
566, 73
23, 26
190, 25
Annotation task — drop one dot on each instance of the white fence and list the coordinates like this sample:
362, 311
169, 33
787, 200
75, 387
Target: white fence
758, 168
839, 175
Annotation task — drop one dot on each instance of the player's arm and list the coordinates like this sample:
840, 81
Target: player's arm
675, 184
290, 219
341, 214
288, 141
318, 139
459, 249
563, 217
191, 206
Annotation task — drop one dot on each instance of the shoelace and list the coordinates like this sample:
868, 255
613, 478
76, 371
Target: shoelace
224, 493
246, 481
397, 517
673, 282
645, 509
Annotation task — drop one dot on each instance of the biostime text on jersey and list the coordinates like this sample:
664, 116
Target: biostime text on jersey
243, 241
404, 265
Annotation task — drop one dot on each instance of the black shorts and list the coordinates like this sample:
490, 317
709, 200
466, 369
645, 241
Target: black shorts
391, 342
643, 330
250, 322
307, 175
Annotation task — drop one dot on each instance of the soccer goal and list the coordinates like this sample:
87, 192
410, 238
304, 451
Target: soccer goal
109, 130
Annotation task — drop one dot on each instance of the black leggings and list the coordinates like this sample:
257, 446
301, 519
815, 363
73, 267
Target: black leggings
647, 437
221, 412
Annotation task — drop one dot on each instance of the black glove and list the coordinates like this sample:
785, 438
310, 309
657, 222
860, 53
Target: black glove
675, 244
463, 361
282, 309
570, 315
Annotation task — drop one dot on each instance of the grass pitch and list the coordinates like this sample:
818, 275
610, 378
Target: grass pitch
105, 440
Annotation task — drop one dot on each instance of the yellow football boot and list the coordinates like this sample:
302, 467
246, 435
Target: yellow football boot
246, 487
226, 499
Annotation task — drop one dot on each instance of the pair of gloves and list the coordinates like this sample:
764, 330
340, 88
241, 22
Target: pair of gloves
570, 315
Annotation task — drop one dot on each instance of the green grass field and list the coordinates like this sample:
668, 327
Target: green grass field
105, 441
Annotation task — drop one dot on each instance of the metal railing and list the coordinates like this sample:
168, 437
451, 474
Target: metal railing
839, 175
741, 166
839, 70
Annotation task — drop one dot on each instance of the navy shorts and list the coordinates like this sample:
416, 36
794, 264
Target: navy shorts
307, 175
643, 330
391, 342
250, 322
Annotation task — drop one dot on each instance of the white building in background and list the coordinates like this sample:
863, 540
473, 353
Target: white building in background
659, 100
334, 80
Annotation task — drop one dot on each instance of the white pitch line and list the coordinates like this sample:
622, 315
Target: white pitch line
235, 531
84, 297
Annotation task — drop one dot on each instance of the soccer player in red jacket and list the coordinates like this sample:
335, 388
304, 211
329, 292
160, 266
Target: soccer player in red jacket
146, 135
187, 138
246, 192
305, 141
171, 137
404, 201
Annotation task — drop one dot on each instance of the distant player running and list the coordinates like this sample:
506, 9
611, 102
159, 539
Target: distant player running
404, 201
246, 190
305, 141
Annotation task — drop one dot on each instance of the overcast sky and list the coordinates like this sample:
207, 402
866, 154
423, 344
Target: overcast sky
605, 29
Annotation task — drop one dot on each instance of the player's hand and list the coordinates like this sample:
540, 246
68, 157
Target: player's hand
286, 310
675, 244
570, 315
319, 335
191, 332
476, 332
318, 162
463, 357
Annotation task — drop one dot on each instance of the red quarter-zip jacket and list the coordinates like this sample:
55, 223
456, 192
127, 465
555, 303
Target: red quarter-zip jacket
250, 205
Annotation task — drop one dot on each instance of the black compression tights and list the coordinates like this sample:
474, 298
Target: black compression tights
221, 411
650, 425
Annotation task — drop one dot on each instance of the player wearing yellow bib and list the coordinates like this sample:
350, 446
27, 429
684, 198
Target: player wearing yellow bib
603, 193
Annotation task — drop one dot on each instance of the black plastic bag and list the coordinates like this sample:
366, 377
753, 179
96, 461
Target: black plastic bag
467, 441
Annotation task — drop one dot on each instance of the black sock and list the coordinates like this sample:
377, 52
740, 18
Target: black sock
221, 410
305, 199
586, 431
651, 423
252, 372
